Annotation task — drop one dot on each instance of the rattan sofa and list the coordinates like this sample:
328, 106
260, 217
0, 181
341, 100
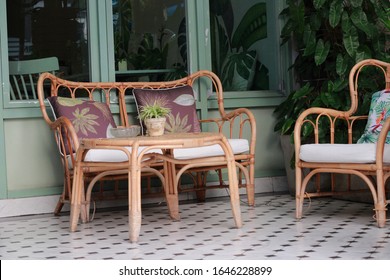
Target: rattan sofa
239, 126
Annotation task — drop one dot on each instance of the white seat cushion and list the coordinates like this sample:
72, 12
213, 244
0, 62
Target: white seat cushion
341, 153
239, 146
112, 155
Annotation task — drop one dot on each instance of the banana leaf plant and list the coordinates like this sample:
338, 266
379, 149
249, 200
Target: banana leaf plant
233, 59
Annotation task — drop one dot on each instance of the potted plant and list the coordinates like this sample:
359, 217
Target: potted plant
328, 38
154, 117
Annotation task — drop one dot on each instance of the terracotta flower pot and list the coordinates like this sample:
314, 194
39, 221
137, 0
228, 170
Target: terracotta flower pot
155, 126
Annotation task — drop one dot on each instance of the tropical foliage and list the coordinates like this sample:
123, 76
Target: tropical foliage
329, 37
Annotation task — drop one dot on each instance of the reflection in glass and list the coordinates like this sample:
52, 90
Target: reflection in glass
55, 28
238, 35
149, 39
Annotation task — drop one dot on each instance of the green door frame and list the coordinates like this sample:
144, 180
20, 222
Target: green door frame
3, 77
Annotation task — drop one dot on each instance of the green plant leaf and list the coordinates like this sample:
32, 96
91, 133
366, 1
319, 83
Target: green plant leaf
283, 107
286, 32
287, 126
351, 41
324, 99
317, 102
346, 23
384, 17
297, 15
340, 84
356, 3
305, 90
307, 129
252, 28
363, 53
153, 111
335, 11
378, 46
241, 64
321, 52
341, 66
219, 43
331, 101
224, 10
315, 22
359, 19
309, 39
318, 4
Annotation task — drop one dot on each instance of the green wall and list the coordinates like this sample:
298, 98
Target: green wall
33, 165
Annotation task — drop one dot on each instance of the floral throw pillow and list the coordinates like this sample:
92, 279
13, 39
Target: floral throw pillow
379, 111
179, 100
91, 119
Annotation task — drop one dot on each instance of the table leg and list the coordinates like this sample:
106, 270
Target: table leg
76, 199
134, 179
233, 184
171, 192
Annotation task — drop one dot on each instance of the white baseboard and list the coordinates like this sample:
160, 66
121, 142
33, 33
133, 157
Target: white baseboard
46, 204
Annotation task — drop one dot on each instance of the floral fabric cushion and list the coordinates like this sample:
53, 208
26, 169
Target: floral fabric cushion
180, 101
91, 119
379, 111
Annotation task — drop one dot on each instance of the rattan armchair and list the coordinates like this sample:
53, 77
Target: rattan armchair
369, 161
239, 124
113, 163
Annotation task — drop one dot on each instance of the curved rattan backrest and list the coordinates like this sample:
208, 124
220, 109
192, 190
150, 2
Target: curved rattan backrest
354, 78
61, 87
89, 89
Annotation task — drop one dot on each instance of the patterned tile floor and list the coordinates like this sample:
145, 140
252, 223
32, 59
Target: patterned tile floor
331, 229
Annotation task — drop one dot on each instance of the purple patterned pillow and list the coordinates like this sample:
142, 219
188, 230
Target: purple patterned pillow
180, 100
91, 119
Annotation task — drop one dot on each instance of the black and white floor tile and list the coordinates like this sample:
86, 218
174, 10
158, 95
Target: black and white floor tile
330, 229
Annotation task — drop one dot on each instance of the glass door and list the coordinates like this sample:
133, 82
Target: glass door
50, 28
150, 40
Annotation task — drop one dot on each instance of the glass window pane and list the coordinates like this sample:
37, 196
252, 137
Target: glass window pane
55, 28
243, 52
149, 39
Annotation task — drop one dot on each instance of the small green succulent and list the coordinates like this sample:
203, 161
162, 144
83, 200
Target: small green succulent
153, 111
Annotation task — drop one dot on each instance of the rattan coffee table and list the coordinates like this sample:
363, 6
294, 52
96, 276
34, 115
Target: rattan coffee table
141, 157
